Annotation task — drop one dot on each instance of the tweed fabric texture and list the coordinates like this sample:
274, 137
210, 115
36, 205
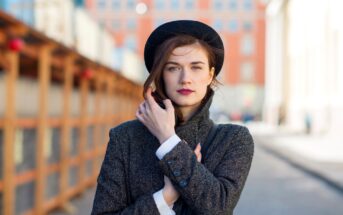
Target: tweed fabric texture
131, 172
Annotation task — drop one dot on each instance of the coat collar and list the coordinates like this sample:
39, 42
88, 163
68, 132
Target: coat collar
195, 130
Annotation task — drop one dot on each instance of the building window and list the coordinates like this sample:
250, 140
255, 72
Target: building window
131, 42
175, 4
116, 4
233, 26
101, 4
159, 4
78, 3
131, 4
247, 26
247, 72
217, 4
247, 45
116, 25
131, 24
102, 23
233, 4
189, 4
248, 5
218, 24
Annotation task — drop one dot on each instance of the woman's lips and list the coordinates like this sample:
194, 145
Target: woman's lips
185, 91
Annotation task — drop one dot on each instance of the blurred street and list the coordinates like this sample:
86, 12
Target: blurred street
276, 187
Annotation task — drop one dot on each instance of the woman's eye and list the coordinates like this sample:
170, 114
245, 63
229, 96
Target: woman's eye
172, 69
196, 68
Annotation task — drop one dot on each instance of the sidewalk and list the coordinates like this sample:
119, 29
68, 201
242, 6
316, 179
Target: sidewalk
318, 155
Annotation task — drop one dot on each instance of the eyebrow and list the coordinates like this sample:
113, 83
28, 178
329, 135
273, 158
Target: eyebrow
175, 63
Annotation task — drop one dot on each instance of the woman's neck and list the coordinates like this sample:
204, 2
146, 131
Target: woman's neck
188, 112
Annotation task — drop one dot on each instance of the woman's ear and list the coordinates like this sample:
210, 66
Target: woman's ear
211, 75
212, 72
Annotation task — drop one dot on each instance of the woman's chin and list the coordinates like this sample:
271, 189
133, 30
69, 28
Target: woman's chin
185, 103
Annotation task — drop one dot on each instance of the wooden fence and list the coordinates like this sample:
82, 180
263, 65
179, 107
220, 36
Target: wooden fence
48, 159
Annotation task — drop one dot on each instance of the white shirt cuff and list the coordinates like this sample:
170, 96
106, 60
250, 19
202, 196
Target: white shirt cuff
162, 205
167, 146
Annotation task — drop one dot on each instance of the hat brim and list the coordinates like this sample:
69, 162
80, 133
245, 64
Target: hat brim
193, 28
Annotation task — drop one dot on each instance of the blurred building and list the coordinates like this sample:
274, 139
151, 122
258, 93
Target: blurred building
66, 22
21, 9
304, 68
240, 23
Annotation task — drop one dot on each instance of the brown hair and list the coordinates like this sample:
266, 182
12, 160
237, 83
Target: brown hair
161, 56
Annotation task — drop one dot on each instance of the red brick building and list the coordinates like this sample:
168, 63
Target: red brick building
241, 24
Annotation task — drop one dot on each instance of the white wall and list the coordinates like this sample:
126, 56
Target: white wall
75, 28
86, 34
131, 65
275, 62
54, 18
312, 61
106, 45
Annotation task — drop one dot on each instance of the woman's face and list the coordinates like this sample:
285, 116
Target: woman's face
186, 75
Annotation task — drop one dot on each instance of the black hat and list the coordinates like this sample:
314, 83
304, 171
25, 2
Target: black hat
171, 29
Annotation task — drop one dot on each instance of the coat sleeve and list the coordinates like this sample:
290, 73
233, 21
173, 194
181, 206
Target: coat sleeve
111, 192
208, 192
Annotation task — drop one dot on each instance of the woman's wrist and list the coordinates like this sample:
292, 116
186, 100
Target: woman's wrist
165, 137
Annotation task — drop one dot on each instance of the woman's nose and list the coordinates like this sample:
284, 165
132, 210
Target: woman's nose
185, 76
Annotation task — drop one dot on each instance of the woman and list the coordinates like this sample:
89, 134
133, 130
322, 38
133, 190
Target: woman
172, 159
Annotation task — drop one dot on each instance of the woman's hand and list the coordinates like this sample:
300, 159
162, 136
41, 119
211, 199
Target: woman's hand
159, 121
197, 152
170, 194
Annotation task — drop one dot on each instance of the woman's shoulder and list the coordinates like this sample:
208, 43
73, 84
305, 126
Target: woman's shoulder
127, 126
236, 134
233, 129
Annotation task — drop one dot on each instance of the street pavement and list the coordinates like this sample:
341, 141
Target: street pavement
320, 155
275, 187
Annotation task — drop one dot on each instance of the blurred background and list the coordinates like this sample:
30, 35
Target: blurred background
72, 69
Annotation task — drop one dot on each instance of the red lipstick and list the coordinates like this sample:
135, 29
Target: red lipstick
185, 91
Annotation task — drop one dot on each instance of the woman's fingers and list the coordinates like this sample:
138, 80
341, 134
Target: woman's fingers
141, 113
141, 108
139, 116
144, 109
168, 104
197, 152
160, 122
150, 101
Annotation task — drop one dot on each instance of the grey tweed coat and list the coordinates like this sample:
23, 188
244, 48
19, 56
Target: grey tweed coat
131, 172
